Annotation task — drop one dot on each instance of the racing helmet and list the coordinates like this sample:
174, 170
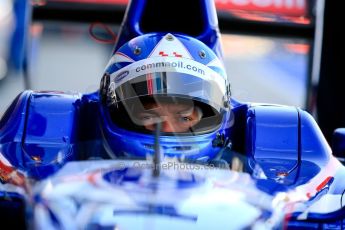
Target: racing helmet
165, 78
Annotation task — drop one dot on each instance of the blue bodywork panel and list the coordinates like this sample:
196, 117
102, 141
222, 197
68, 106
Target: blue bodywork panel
39, 130
144, 17
286, 142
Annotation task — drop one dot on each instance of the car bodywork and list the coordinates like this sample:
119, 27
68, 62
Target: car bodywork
49, 140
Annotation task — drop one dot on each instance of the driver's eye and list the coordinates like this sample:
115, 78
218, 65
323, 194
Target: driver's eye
186, 119
149, 119
146, 118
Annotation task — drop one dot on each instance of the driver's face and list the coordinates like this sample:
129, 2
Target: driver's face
173, 117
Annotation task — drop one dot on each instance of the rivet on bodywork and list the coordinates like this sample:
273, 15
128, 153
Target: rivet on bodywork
202, 54
137, 50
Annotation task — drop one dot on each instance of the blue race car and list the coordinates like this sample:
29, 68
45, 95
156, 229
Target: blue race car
162, 144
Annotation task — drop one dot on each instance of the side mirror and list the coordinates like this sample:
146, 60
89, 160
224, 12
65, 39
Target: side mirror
338, 142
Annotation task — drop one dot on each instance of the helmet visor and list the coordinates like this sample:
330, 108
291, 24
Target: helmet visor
169, 76
186, 91
176, 115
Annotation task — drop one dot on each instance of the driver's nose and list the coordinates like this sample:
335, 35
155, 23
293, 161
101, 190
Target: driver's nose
167, 126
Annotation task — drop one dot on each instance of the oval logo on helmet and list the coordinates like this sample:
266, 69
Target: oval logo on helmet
121, 76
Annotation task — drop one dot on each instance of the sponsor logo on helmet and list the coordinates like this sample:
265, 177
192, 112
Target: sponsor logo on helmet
121, 76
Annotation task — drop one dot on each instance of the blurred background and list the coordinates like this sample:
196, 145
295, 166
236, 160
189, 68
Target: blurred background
272, 50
